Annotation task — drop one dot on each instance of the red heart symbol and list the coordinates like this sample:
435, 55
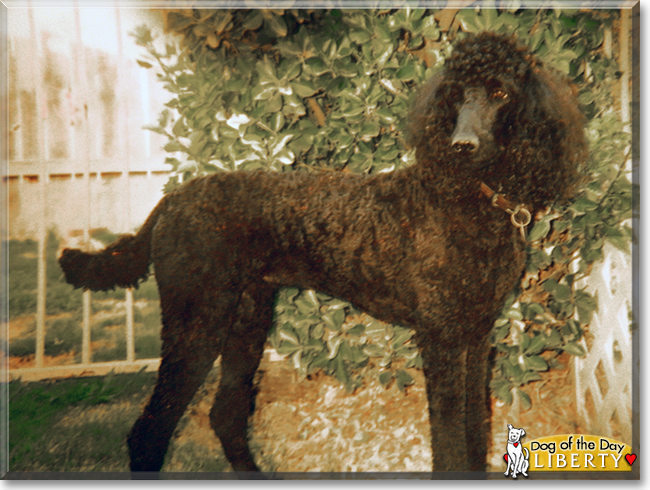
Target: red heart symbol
631, 458
505, 456
516, 444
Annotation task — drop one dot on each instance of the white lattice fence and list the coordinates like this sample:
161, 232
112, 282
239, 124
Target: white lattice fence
604, 375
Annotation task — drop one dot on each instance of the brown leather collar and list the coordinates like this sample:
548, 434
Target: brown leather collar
519, 215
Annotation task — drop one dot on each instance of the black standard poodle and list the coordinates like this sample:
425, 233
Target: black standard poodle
436, 247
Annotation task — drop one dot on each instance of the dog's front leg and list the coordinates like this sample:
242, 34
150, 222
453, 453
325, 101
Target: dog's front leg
479, 416
444, 369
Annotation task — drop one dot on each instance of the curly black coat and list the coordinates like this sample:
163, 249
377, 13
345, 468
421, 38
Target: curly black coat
422, 247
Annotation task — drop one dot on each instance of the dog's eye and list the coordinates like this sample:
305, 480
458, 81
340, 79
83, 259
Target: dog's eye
500, 94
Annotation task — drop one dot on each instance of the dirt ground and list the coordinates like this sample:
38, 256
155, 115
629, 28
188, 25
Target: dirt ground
316, 425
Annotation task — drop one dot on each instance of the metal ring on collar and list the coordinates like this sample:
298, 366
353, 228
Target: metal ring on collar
526, 217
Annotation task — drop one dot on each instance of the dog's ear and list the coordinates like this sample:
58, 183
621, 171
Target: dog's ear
509, 426
427, 93
548, 91
548, 116
421, 114
522, 432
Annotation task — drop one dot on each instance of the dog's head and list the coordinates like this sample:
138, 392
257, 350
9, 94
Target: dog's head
515, 435
469, 104
494, 113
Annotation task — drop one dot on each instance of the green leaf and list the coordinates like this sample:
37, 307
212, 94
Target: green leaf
316, 66
503, 393
277, 121
370, 130
304, 88
357, 330
502, 332
385, 377
360, 36
536, 363
574, 349
333, 345
287, 332
514, 314
334, 319
277, 25
586, 98
532, 310
403, 379
583, 205
560, 292
402, 335
586, 305
177, 22
144, 64
560, 225
318, 331
340, 372
407, 72
537, 344
540, 230
254, 20
373, 350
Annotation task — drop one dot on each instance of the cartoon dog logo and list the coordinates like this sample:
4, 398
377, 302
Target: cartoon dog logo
517, 455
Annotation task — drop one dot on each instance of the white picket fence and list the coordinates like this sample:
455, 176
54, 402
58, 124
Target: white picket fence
79, 158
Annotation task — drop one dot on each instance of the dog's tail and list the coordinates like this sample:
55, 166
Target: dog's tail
124, 263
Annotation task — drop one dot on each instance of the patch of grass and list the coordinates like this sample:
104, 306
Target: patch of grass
113, 330
49, 432
22, 276
150, 317
63, 335
60, 296
98, 327
26, 345
97, 306
23, 347
116, 352
147, 290
147, 341
147, 346
23, 273
115, 294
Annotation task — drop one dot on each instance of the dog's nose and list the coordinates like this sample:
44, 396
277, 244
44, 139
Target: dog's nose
467, 144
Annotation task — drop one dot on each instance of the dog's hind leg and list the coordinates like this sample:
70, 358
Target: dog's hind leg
190, 347
479, 421
241, 355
